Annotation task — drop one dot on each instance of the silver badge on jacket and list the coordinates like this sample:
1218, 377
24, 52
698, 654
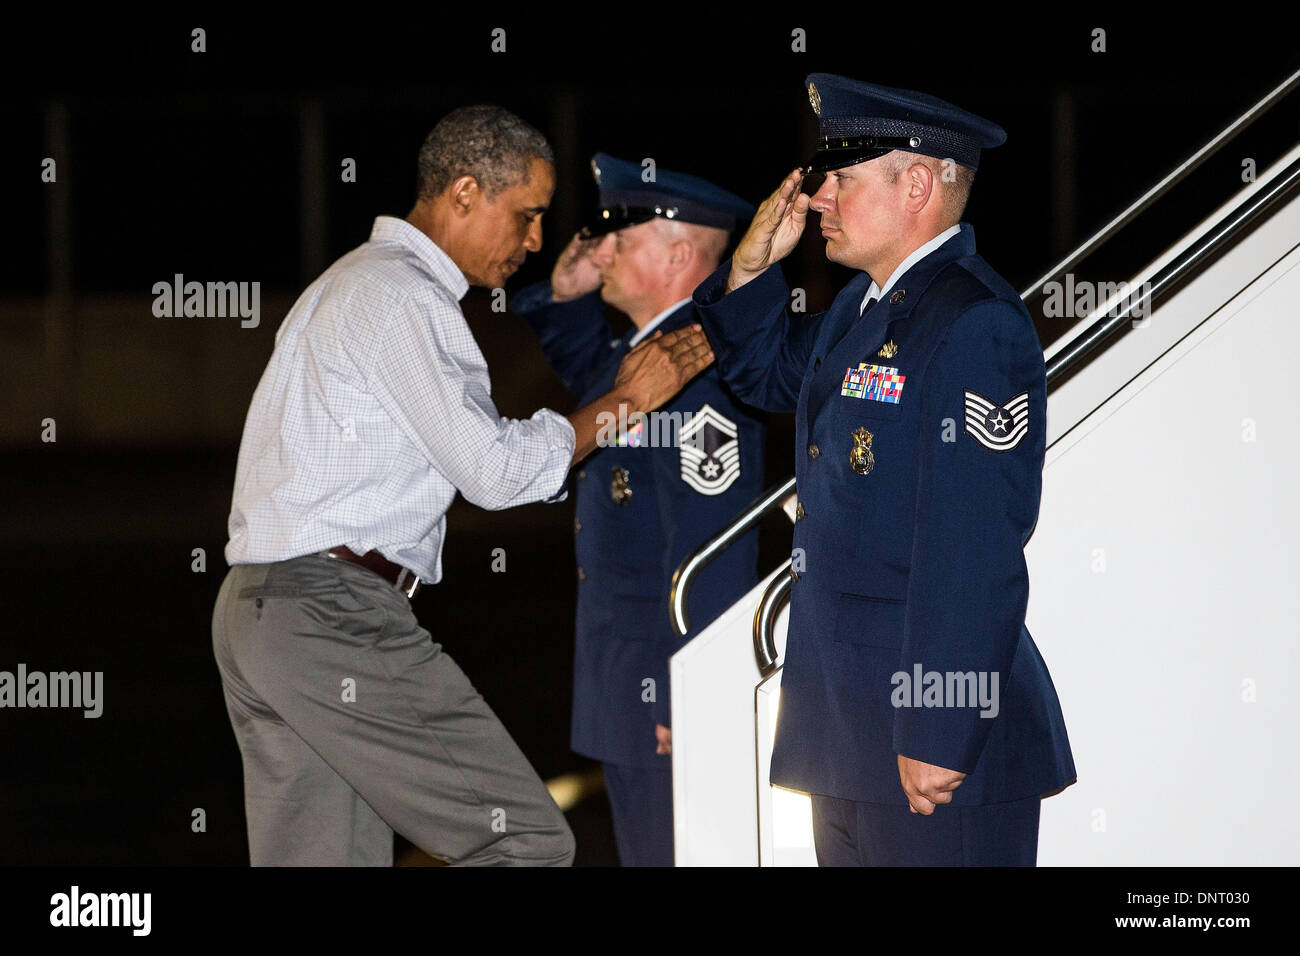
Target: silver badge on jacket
618, 489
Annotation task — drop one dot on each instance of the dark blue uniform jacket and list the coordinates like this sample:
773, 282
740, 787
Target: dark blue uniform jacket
627, 552
916, 566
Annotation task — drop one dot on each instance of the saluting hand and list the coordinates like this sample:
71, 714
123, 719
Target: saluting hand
773, 234
656, 370
575, 274
927, 785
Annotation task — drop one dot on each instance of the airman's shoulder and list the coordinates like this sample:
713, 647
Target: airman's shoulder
978, 303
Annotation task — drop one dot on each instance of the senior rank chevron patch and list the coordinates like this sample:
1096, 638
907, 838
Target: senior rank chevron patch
710, 451
998, 427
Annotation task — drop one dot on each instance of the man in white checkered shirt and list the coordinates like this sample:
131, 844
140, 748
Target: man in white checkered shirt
373, 412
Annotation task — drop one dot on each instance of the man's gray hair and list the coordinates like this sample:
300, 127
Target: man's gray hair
489, 143
709, 241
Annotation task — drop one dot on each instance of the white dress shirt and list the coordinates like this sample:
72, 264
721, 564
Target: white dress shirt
375, 409
917, 254
649, 327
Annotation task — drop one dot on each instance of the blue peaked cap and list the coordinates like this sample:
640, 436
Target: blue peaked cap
626, 199
860, 121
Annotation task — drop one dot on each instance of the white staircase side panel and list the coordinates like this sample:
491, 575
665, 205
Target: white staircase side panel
1163, 584
715, 790
784, 816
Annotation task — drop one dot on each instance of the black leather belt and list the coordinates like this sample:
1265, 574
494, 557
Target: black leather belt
404, 579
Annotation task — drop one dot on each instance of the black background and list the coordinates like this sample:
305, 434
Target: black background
175, 161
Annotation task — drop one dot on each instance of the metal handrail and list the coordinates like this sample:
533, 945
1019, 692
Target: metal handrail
694, 562
1168, 182
1088, 340
775, 596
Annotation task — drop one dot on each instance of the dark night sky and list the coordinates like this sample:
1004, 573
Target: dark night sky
182, 160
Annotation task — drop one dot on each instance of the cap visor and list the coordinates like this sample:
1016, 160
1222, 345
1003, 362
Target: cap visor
824, 160
601, 226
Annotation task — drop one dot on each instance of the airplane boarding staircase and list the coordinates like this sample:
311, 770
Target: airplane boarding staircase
1162, 571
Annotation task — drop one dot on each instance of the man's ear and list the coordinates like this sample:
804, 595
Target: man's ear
465, 194
681, 256
920, 187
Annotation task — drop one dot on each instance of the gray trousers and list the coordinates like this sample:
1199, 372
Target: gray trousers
353, 723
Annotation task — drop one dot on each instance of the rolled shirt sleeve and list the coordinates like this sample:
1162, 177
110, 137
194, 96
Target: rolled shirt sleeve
431, 377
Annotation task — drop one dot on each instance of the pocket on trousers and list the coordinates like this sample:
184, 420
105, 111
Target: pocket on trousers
869, 621
328, 598
264, 590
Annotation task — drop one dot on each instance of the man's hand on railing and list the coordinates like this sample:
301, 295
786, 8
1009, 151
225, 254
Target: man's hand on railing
773, 234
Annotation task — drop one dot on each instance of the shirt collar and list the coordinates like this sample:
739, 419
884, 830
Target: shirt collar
917, 254
650, 326
392, 229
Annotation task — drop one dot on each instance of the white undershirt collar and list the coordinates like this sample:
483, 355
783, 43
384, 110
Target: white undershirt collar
650, 326
917, 254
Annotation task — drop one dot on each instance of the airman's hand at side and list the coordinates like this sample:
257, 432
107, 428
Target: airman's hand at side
663, 739
927, 785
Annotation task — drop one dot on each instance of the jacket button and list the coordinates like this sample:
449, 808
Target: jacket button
577, 525
799, 513
582, 575
582, 474
813, 451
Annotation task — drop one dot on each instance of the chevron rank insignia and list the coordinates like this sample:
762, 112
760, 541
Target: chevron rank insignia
998, 427
710, 451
